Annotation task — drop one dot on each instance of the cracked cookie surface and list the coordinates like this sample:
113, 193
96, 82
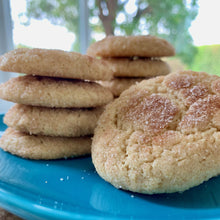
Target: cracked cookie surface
161, 135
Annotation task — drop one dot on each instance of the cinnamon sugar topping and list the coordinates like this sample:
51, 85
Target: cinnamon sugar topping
152, 112
193, 94
200, 113
179, 82
216, 86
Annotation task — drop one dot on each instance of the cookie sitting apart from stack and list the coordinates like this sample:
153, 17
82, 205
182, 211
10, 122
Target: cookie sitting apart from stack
132, 58
161, 135
57, 106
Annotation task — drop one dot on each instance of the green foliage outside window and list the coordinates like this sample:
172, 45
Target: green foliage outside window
167, 19
207, 59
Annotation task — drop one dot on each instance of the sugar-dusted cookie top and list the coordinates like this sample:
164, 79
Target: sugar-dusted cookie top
161, 135
54, 63
41, 147
54, 92
129, 46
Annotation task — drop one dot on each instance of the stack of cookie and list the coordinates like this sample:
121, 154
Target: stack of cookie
132, 58
58, 104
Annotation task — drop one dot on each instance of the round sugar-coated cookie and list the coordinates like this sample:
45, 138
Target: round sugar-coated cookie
129, 46
55, 63
64, 122
40, 147
136, 67
161, 135
54, 92
118, 84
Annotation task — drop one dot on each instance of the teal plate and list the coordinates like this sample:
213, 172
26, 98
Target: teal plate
71, 189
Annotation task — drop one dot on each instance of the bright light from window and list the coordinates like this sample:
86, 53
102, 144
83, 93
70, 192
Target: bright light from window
204, 28
120, 18
131, 7
40, 33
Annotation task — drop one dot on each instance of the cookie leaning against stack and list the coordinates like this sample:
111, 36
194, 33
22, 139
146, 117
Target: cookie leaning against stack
161, 135
132, 58
57, 107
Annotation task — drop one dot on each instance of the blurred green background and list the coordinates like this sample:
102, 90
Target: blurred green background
170, 20
207, 59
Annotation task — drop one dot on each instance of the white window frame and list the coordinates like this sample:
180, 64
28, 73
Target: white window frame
84, 30
6, 44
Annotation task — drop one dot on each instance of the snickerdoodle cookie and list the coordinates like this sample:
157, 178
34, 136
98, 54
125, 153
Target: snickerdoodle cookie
40, 147
54, 92
138, 67
129, 46
53, 121
55, 63
161, 135
119, 84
